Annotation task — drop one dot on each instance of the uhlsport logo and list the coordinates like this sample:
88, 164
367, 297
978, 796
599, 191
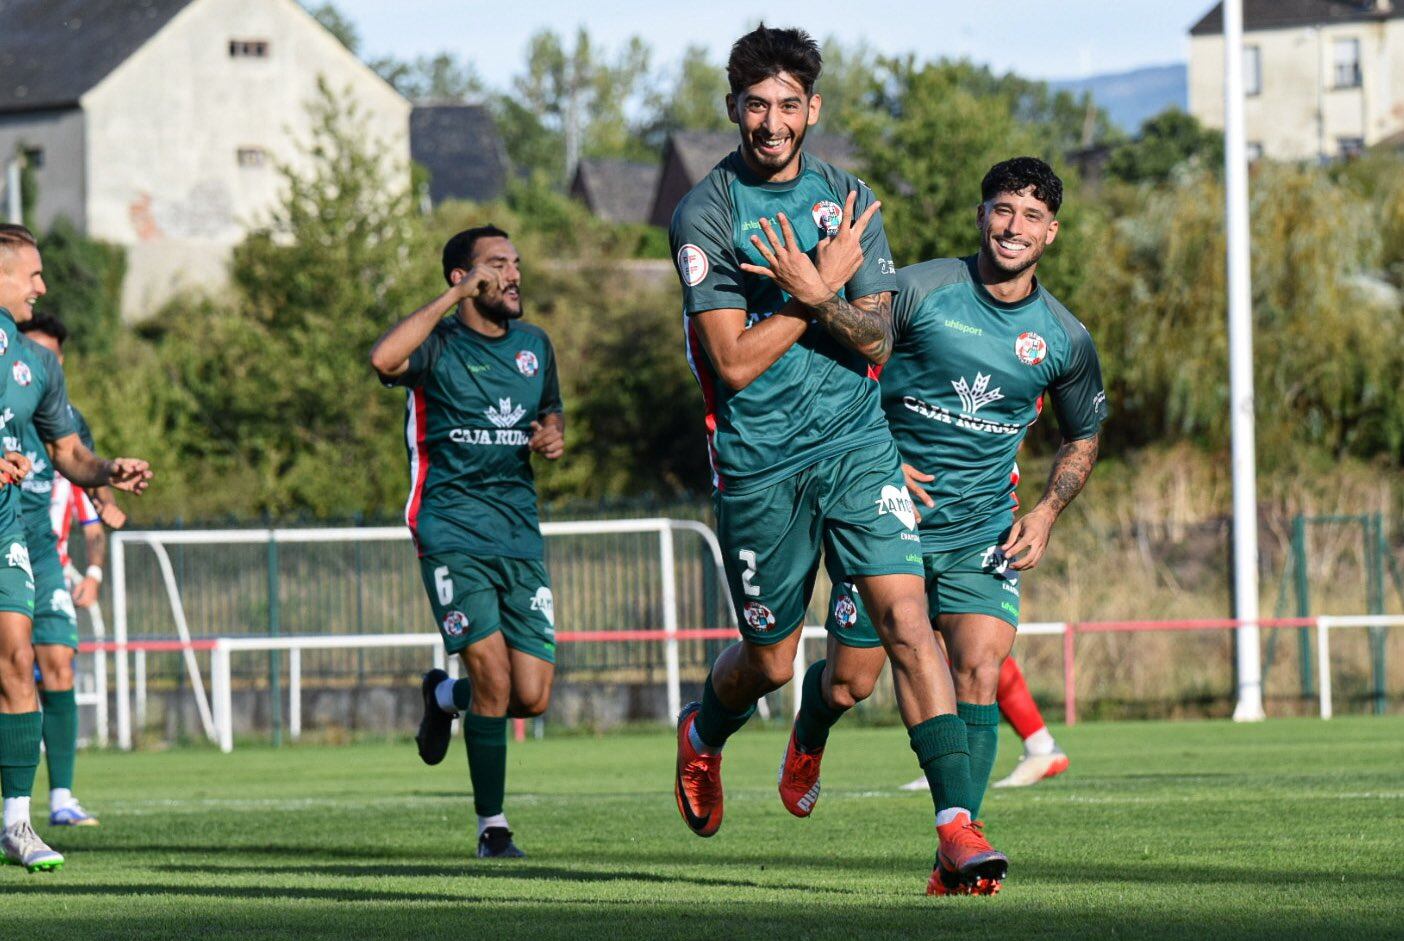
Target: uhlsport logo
759, 617
545, 602
845, 611
827, 216
898, 502
455, 623
505, 415
692, 265
22, 374
527, 364
1030, 348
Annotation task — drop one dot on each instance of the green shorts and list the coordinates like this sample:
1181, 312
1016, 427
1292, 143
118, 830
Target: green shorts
476, 596
854, 506
55, 621
16, 577
975, 580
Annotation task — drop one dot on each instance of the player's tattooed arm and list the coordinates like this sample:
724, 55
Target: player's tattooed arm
1072, 465
864, 325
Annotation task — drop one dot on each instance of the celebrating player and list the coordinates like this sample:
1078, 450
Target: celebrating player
483, 396
978, 342
787, 304
34, 394
55, 617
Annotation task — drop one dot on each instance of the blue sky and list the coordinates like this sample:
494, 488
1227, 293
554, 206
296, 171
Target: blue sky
1046, 39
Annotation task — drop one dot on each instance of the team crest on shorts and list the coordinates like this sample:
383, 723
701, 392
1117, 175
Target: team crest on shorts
845, 612
759, 617
692, 265
527, 364
455, 623
21, 373
827, 216
1030, 348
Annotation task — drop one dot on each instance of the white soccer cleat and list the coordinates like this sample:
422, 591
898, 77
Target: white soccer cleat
22, 847
1032, 769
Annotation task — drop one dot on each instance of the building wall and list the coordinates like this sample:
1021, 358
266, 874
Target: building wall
59, 134
166, 128
1299, 114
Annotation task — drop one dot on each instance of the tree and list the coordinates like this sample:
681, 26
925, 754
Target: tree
1168, 141
336, 23
694, 101
441, 77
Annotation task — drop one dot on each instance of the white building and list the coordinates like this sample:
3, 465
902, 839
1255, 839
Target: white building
157, 124
1324, 78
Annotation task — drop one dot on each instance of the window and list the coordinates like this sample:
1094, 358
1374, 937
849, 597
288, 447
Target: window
1350, 147
248, 48
1253, 150
34, 157
1347, 63
252, 157
1252, 71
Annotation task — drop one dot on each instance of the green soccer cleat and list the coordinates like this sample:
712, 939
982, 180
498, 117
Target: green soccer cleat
21, 846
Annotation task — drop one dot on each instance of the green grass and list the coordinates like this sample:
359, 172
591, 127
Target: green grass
1288, 828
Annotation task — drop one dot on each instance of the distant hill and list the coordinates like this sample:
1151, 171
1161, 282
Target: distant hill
1131, 97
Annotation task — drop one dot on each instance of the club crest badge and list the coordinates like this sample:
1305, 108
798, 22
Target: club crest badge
455, 623
759, 617
692, 265
845, 611
827, 216
527, 363
1030, 348
21, 373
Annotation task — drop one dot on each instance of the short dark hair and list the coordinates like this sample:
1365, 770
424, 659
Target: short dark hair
458, 252
765, 52
46, 324
13, 235
1017, 175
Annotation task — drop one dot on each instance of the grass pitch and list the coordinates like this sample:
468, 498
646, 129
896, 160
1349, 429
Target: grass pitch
1291, 828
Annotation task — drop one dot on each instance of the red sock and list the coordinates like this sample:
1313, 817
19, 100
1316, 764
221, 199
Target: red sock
1015, 701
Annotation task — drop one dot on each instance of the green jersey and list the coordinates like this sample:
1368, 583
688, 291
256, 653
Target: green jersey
34, 403
818, 399
470, 404
965, 383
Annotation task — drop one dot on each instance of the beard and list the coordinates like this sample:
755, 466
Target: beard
498, 309
748, 145
1008, 266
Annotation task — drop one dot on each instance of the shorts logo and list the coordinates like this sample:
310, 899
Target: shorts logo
995, 561
898, 502
527, 364
544, 602
455, 623
845, 612
1030, 348
827, 216
18, 558
759, 617
692, 265
22, 374
4, 342
62, 602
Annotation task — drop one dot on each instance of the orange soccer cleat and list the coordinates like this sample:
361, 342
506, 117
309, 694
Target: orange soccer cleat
697, 784
799, 779
966, 863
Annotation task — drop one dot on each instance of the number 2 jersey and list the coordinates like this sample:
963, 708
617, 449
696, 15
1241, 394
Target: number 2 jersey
817, 400
965, 384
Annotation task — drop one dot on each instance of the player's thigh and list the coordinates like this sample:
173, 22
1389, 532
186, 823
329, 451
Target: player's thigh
528, 608
55, 663
17, 691
55, 620
532, 677
869, 520
771, 541
465, 596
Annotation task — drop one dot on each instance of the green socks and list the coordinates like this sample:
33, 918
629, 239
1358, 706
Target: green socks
816, 716
943, 751
487, 760
19, 752
60, 735
982, 730
715, 723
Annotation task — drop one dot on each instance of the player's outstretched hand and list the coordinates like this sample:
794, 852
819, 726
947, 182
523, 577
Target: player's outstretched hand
915, 479
1029, 535
131, 474
841, 255
547, 440
14, 467
789, 267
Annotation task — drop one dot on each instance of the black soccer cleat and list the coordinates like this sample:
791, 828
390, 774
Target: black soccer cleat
436, 728
496, 843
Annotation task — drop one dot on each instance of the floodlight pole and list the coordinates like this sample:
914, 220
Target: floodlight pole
14, 199
1240, 315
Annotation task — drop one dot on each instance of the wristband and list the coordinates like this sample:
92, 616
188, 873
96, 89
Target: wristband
95, 573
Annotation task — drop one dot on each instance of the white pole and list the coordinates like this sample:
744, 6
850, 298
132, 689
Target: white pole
119, 632
14, 201
670, 619
221, 681
1240, 314
295, 693
1323, 665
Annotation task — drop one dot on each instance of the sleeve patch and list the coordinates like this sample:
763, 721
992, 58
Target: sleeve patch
692, 265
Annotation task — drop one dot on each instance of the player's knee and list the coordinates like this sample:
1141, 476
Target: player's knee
768, 667
18, 663
532, 703
845, 694
57, 676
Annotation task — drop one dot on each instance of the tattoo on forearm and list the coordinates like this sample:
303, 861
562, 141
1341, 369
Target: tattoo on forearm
864, 326
1072, 465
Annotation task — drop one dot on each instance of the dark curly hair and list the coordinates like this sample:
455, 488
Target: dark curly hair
1017, 175
458, 252
765, 52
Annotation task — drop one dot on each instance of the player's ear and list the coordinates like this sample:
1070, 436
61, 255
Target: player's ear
816, 102
732, 114
980, 215
457, 275
1052, 233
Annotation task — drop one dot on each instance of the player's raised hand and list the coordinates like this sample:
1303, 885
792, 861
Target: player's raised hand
1029, 536
478, 279
841, 255
130, 474
787, 264
547, 440
14, 467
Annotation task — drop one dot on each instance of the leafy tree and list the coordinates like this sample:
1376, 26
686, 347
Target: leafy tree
1169, 140
336, 23
440, 77
694, 101
84, 278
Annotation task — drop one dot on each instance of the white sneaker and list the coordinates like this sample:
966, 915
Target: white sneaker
22, 847
1032, 769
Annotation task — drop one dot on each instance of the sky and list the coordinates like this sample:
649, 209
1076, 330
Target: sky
1041, 39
